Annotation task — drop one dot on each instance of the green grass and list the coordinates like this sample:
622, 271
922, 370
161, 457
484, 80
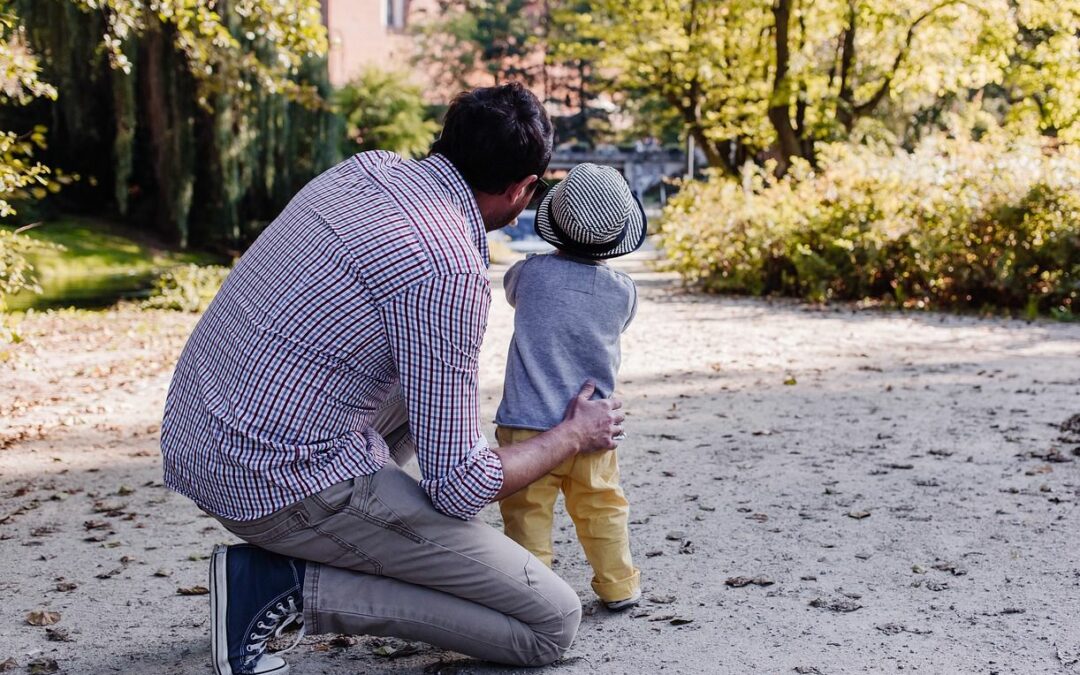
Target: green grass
95, 263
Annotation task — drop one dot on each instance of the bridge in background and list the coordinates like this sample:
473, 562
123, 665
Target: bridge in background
644, 169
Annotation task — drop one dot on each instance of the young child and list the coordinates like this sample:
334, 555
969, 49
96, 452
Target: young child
570, 311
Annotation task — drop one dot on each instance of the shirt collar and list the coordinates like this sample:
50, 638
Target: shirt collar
463, 197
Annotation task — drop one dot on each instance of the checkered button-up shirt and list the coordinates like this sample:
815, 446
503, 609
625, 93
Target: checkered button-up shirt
375, 274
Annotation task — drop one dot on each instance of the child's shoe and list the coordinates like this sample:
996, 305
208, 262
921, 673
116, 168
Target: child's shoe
620, 605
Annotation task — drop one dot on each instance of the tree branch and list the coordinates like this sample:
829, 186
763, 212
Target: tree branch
867, 107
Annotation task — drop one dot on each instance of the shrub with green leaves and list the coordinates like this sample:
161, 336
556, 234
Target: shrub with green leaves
383, 110
186, 288
956, 223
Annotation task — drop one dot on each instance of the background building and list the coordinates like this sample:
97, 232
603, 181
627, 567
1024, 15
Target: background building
369, 32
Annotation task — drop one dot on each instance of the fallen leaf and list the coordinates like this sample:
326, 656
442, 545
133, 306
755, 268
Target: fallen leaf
1051, 455
57, 635
950, 567
836, 604
896, 628
680, 621
395, 649
791, 381
95, 524
42, 665
739, 582
110, 574
42, 617
163, 573
193, 590
858, 515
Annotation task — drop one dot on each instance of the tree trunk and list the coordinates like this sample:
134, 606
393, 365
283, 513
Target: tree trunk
171, 144
124, 107
845, 106
780, 106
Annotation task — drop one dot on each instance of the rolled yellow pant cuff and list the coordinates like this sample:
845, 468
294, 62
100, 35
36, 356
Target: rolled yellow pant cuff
612, 591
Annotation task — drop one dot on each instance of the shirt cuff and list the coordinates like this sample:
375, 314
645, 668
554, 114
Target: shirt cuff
470, 486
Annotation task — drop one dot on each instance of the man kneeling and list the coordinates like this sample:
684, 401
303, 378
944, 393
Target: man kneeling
344, 341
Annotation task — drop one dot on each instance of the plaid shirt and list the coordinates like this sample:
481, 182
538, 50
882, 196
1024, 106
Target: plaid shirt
375, 273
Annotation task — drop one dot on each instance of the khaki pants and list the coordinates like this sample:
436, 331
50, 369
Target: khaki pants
596, 504
385, 562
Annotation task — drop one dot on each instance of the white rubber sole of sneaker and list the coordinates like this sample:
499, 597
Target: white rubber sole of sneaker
219, 643
622, 605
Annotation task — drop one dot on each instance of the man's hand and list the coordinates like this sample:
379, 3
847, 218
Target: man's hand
598, 422
588, 426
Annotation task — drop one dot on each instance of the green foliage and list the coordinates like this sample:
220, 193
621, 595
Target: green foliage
224, 41
788, 74
384, 111
16, 272
197, 119
955, 223
1041, 78
188, 288
21, 176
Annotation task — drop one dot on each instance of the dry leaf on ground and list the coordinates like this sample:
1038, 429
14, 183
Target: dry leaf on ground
193, 590
42, 617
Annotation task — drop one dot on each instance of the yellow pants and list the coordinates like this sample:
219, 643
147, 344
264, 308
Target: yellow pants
596, 504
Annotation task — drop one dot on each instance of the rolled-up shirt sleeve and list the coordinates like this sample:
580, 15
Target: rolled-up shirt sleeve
435, 330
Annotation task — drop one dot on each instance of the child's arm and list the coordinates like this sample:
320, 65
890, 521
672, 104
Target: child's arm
633, 304
510, 280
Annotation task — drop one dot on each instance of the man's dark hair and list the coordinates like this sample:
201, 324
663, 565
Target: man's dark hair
496, 136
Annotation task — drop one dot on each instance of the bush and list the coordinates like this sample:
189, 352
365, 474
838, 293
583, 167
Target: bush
187, 288
384, 111
955, 223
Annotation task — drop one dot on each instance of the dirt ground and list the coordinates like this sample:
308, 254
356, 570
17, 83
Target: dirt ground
896, 487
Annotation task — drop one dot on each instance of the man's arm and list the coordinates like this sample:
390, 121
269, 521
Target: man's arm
435, 330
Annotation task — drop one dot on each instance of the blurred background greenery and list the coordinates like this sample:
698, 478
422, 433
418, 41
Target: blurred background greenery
920, 153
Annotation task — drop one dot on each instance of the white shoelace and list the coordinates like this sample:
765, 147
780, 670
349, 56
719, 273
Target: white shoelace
279, 621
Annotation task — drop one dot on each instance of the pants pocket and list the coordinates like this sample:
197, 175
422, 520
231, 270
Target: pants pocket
266, 531
398, 503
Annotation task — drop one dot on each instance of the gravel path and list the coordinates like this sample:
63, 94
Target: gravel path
895, 490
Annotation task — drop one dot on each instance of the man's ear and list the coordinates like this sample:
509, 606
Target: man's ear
519, 189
